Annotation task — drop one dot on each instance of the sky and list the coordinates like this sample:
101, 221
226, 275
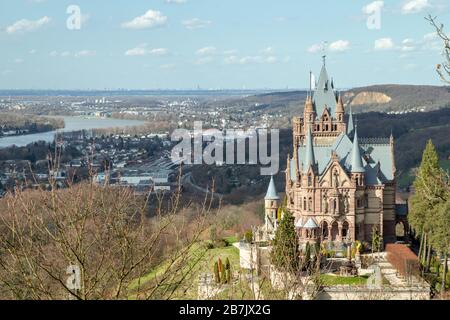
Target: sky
216, 44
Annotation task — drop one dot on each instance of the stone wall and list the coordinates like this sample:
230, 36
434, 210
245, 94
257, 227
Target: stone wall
347, 292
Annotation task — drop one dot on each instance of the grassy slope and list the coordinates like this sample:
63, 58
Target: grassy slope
206, 259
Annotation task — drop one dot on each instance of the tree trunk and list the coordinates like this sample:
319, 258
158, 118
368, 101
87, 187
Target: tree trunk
427, 268
424, 248
444, 274
421, 245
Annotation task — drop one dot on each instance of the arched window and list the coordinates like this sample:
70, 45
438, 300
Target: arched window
310, 204
309, 180
304, 203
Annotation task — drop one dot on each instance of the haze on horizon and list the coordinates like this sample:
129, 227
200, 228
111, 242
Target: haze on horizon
189, 44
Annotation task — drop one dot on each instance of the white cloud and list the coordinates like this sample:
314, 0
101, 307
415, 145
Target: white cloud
150, 19
336, 46
25, 25
384, 44
196, 23
176, 1
339, 46
18, 61
267, 51
65, 54
159, 52
372, 7
315, 48
33, 51
408, 45
85, 53
138, 51
414, 6
206, 51
142, 50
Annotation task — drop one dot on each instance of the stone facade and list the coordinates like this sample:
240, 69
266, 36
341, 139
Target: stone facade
339, 187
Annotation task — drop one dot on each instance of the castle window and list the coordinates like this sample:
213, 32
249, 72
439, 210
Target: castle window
309, 181
304, 203
310, 204
359, 203
366, 201
326, 127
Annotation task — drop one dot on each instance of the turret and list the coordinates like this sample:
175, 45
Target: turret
310, 159
272, 203
309, 113
357, 167
340, 110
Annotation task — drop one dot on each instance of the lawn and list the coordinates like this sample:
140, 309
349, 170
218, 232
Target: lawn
204, 263
331, 280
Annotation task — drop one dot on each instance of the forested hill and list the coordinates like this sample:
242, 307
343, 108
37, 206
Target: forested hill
411, 132
382, 98
398, 98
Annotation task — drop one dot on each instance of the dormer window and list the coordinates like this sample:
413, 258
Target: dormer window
309, 180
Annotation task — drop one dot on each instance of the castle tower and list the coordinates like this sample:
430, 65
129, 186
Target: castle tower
272, 203
340, 112
357, 167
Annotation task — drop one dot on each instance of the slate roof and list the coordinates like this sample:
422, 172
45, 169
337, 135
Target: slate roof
377, 158
324, 95
310, 224
272, 191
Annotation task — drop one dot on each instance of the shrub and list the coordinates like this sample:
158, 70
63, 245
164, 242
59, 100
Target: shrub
248, 236
222, 243
216, 272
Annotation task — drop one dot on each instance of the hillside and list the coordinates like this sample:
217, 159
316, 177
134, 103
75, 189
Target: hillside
397, 98
381, 98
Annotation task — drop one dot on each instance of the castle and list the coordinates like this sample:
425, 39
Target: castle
339, 187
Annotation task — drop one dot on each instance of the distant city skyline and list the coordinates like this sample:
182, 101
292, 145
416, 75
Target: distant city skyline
190, 44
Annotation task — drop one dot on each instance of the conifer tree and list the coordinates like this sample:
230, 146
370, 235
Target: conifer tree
216, 272
428, 194
285, 252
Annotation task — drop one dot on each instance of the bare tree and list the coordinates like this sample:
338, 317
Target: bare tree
443, 69
102, 236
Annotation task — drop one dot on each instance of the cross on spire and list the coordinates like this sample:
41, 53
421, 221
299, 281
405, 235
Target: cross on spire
324, 51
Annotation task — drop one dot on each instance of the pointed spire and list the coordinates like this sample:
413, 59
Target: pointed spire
350, 126
357, 164
340, 105
272, 191
309, 152
288, 169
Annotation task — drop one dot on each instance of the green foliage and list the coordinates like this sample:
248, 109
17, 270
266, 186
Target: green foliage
213, 234
248, 236
376, 240
285, 252
223, 277
427, 191
222, 272
216, 272
307, 256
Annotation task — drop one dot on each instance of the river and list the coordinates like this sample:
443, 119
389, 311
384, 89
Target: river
71, 124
